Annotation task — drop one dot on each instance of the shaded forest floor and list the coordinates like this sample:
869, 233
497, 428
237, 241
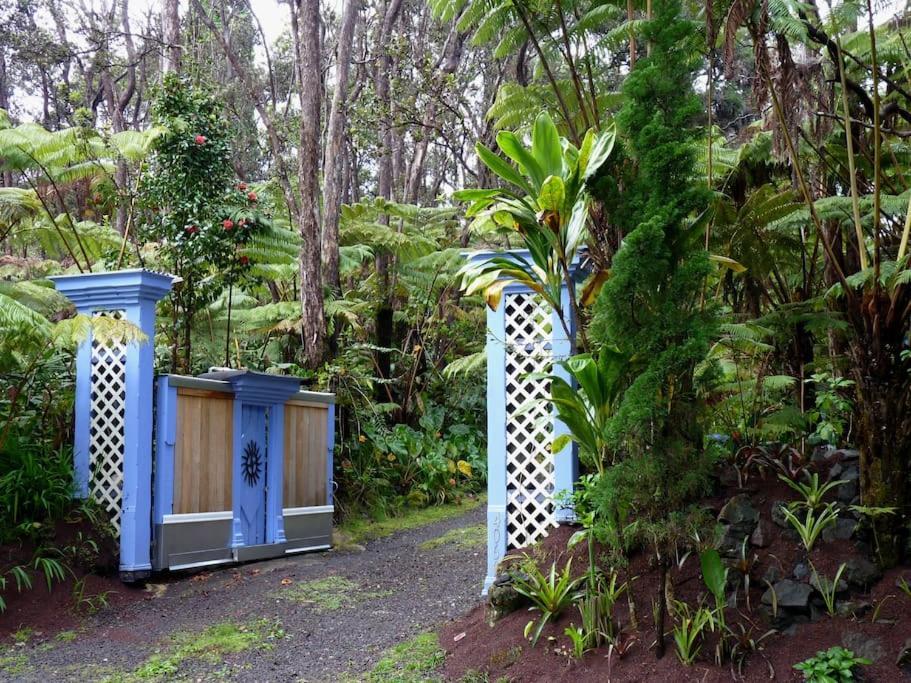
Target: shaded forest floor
320, 617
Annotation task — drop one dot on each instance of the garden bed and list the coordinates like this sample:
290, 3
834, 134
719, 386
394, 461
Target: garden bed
875, 622
90, 582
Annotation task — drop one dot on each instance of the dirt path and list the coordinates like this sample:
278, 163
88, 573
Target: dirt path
319, 617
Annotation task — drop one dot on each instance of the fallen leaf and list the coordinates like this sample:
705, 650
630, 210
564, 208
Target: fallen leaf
287, 582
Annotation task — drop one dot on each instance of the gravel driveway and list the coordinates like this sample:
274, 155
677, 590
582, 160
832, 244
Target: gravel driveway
319, 617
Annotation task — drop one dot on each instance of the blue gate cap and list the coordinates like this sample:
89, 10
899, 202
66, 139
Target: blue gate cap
257, 387
113, 289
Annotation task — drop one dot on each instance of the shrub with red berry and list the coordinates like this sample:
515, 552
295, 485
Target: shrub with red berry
194, 208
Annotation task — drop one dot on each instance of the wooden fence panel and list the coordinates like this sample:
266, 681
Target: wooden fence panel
306, 443
202, 454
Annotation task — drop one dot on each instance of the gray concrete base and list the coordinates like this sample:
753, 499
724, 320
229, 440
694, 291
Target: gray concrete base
202, 539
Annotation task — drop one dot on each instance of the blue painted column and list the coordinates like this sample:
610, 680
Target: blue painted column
565, 463
134, 294
496, 442
258, 456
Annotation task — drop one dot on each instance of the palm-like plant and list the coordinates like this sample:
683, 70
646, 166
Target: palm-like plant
547, 203
50, 163
584, 401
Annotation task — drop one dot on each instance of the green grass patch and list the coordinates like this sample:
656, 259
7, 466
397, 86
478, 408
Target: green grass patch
414, 661
464, 538
360, 529
13, 664
329, 593
210, 645
66, 636
23, 635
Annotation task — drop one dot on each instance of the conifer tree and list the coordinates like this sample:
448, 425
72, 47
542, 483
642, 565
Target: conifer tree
651, 307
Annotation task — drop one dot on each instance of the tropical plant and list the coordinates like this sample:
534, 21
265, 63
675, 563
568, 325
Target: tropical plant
835, 665
199, 216
715, 577
832, 411
828, 589
596, 609
812, 492
584, 397
547, 203
689, 630
812, 525
903, 585
550, 594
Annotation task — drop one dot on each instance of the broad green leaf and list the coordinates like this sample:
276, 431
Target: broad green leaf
502, 168
515, 150
545, 145
552, 194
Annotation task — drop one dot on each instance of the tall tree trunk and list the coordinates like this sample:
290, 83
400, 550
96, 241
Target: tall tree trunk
336, 132
384, 179
170, 28
449, 62
313, 316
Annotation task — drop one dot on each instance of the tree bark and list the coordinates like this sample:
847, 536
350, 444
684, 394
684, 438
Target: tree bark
312, 311
384, 179
336, 132
170, 25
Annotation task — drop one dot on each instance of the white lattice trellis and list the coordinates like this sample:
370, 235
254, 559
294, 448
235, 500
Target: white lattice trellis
529, 463
106, 437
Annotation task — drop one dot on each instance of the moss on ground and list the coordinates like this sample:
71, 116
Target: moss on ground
330, 593
464, 537
210, 645
13, 663
414, 661
359, 530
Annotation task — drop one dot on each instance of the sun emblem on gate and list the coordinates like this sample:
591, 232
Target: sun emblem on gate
251, 463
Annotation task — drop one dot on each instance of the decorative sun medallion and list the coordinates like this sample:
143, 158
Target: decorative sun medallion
251, 463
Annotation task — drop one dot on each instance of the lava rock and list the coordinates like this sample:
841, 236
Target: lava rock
853, 608
778, 516
860, 572
732, 540
503, 598
842, 530
762, 534
791, 595
822, 453
824, 582
801, 571
848, 491
864, 646
848, 454
771, 574
903, 661
739, 512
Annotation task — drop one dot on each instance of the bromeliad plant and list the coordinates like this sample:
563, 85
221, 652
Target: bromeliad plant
812, 491
550, 594
812, 525
547, 203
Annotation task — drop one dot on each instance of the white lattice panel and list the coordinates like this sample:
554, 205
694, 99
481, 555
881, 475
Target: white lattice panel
529, 433
106, 437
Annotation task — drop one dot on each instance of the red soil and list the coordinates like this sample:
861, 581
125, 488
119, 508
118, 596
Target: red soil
47, 612
502, 651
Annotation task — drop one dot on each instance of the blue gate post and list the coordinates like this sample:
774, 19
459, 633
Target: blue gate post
514, 515
113, 405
